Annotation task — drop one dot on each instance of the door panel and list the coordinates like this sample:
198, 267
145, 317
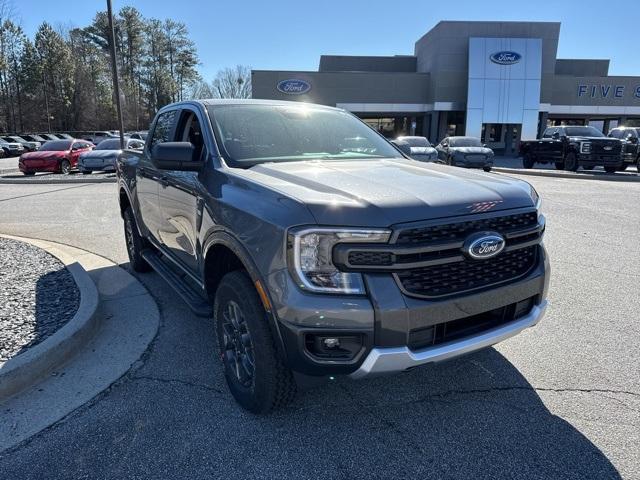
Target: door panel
180, 198
148, 176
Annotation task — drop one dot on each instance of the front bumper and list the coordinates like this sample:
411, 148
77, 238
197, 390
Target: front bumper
463, 161
385, 319
397, 359
595, 160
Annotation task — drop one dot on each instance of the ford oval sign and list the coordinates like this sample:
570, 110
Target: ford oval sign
294, 87
484, 245
505, 58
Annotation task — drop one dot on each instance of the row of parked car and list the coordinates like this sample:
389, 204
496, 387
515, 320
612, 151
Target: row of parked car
567, 147
13, 145
457, 151
67, 154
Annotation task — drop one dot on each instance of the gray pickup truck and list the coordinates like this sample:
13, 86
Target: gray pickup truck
318, 255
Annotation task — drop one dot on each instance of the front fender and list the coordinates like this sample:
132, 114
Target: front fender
227, 239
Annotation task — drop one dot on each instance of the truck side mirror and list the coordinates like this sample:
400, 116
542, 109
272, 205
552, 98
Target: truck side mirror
556, 135
175, 156
632, 139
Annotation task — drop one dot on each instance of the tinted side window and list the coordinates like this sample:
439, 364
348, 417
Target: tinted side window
548, 132
616, 134
163, 128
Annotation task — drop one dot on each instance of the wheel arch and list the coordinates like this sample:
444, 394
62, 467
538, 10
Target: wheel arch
222, 249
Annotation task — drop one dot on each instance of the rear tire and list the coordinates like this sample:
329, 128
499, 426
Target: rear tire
559, 165
609, 169
587, 167
29, 174
257, 377
86, 172
527, 161
135, 243
571, 162
65, 167
623, 167
486, 169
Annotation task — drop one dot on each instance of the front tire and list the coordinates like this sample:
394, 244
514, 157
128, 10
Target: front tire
571, 162
257, 377
622, 167
29, 174
486, 169
587, 167
527, 161
65, 167
559, 165
610, 169
135, 243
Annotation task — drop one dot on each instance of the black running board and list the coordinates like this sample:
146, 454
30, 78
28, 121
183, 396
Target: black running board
192, 298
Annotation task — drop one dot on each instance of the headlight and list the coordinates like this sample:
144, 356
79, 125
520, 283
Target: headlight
585, 147
537, 201
310, 256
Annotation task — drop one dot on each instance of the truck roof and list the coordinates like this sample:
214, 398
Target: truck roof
253, 101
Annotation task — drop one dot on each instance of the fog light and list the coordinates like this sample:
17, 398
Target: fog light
325, 347
331, 342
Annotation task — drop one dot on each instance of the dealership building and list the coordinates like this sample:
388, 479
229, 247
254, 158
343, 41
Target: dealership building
500, 81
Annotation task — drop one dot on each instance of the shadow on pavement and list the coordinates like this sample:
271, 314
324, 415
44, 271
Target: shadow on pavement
173, 417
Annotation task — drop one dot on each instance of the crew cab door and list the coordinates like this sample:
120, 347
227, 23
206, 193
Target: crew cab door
180, 198
547, 147
148, 175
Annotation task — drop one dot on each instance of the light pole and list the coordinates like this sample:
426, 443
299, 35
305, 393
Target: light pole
114, 70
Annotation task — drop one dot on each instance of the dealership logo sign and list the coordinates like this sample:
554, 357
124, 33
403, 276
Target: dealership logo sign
505, 58
294, 86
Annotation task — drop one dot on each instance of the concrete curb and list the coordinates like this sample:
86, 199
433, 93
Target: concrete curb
28, 367
127, 320
606, 177
57, 181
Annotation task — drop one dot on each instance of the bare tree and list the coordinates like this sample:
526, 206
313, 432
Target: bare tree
233, 82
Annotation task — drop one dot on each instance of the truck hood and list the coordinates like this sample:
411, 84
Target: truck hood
389, 191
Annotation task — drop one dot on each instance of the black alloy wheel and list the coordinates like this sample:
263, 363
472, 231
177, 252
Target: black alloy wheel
256, 374
237, 345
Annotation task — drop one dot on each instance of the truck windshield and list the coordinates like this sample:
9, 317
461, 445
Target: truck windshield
583, 132
251, 134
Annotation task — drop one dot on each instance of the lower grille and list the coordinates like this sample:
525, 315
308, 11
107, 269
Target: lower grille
464, 327
475, 158
467, 275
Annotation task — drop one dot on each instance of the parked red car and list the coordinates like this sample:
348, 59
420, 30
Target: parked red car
58, 156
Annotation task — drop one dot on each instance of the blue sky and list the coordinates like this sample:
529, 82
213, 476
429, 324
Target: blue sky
291, 35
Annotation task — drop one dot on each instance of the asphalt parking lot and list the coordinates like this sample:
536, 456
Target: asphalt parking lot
558, 401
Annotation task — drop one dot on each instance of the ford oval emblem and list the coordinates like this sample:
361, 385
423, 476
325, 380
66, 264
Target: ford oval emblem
484, 245
505, 58
294, 86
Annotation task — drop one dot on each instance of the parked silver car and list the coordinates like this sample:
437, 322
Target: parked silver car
30, 146
465, 152
420, 148
11, 149
104, 156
